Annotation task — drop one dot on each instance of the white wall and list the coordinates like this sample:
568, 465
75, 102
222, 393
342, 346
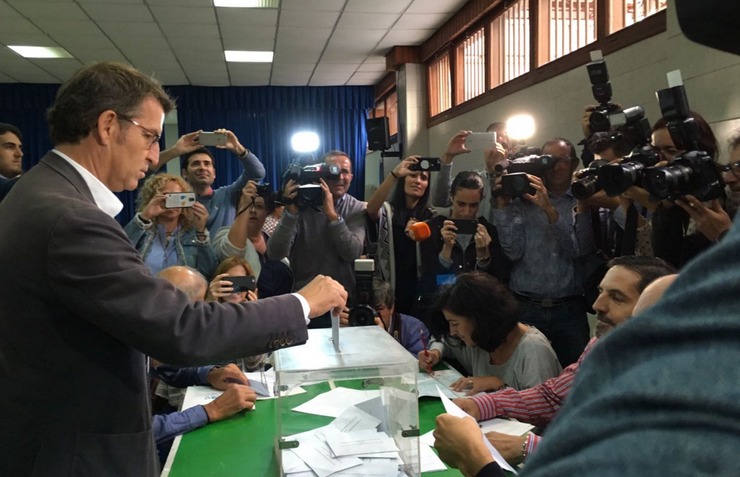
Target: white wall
712, 80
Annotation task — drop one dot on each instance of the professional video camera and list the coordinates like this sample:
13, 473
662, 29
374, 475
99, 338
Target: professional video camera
515, 182
362, 313
309, 190
694, 171
602, 90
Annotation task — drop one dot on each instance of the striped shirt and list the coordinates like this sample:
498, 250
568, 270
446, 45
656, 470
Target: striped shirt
537, 405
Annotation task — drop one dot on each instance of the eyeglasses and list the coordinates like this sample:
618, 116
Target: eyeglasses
734, 168
149, 134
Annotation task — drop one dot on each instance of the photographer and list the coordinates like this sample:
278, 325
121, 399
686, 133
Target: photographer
199, 170
673, 233
170, 236
245, 238
544, 234
450, 251
491, 157
398, 257
325, 241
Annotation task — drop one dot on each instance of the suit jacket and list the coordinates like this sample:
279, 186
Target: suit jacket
79, 313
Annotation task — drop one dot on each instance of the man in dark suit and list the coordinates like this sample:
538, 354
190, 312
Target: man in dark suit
11, 154
80, 310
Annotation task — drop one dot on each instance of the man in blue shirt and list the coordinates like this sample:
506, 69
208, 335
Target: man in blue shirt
543, 234
237, 395
199, 170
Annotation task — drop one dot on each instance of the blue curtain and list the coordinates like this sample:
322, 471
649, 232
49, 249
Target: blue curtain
265, 118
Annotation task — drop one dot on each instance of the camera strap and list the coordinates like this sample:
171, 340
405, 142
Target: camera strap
630, 231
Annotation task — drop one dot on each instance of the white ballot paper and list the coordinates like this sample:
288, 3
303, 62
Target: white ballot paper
333, 403
428, 383
359, 442
451, 408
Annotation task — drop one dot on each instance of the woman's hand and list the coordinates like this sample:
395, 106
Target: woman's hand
482, 240
429, 358
219, 288
199, 215
477, 384
155, 207
403, 167
711, 221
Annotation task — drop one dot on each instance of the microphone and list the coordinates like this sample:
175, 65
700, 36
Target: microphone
419, 231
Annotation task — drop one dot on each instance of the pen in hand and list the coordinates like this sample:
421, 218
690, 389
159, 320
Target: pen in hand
426, 352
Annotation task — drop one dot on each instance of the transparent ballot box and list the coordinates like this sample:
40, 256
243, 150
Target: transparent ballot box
351, 411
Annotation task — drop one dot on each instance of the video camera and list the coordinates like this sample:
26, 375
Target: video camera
309, 191
515, 182
362, 312
694, 171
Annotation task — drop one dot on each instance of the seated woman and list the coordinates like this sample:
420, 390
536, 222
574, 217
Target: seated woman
245, 238
477, 318
170, 236
223, 291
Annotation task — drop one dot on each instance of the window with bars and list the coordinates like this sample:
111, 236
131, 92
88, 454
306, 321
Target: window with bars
440, 86
628, 12
471, 60
524, 35
387, 106
510, 44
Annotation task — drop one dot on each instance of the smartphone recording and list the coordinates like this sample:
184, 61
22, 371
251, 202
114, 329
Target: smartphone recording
174, 200
212, 139
242, 284
426, 164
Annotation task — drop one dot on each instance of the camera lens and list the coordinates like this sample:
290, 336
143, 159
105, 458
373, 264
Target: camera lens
362, 315
617, 178
664, 182
585, 187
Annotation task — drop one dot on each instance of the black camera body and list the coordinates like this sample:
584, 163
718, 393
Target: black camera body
534, 164
692, 173
362, 312
515, 182
309, 191
312, 173
264, 190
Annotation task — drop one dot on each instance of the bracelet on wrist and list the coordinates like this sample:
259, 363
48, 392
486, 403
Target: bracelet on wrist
394, 175
525, 446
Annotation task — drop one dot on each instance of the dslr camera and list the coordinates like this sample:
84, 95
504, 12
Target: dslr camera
694, 171
307, 177
630, 130
362, 312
